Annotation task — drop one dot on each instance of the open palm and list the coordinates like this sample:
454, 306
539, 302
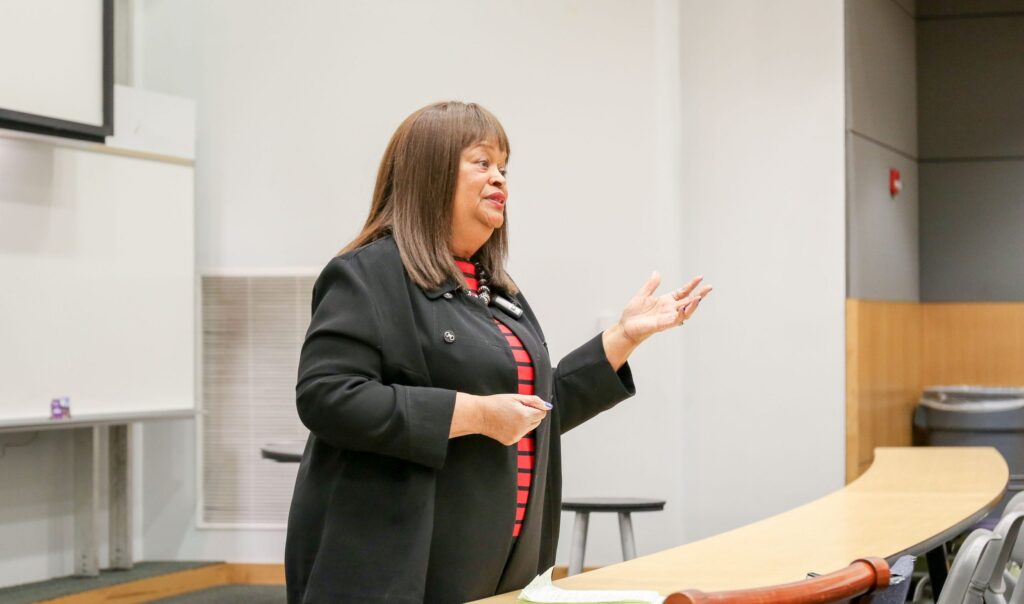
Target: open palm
646, 314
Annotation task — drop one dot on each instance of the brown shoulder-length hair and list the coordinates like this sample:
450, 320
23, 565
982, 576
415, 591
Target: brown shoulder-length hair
415, 190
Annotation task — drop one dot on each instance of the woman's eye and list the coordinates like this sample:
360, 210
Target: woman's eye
486, 165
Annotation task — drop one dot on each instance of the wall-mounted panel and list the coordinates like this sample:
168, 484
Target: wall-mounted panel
882, 253
56, 75
882, 92
972, 240
971, 87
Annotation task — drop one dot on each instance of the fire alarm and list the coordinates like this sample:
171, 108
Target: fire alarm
895, 183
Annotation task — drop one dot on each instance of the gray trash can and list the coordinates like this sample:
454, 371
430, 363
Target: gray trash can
975, 416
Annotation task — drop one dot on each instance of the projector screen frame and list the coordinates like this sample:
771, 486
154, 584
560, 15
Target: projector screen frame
49, 126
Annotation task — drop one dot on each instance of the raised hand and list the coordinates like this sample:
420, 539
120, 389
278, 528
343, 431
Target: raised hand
646, 314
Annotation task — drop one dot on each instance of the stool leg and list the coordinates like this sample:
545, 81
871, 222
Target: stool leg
626, 534
579, 542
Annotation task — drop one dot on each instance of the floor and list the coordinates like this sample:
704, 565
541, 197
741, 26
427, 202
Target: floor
64, 586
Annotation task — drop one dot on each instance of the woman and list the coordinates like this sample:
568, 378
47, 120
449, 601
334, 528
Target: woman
432, 471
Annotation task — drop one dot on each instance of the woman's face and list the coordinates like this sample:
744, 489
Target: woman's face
480, 195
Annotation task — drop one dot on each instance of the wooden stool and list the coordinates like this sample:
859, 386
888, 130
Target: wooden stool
624, 506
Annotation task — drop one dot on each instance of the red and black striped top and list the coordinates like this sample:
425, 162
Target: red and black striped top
524, 379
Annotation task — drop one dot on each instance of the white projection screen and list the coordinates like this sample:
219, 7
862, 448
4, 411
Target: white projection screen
56, 67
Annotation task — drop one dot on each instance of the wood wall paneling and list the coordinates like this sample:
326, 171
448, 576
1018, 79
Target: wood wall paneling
896, 349
883, 377
973, 343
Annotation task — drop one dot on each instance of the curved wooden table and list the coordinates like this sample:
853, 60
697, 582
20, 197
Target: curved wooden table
910, 500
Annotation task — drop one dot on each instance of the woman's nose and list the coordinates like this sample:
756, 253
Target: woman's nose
497, 178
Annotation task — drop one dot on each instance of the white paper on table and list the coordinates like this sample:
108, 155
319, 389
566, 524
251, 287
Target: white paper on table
541, 591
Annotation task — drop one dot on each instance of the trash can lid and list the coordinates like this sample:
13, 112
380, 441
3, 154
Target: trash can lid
994, 406
968, 392
973, 399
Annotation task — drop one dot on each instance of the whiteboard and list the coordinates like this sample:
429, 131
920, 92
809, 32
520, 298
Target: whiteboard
55, 65
97, 286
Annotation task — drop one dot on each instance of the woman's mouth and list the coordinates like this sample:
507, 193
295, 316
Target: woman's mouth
497, 199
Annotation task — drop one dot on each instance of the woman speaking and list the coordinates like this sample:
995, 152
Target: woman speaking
432, 470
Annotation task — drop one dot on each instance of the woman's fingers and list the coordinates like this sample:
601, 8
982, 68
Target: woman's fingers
654, 281
670, 310
685, 290
535, 402
687, 301
703, 294
508, 417
536, 410
680, 305
692, 308
651, 286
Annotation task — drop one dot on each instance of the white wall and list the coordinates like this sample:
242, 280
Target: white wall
763, 216
692, 136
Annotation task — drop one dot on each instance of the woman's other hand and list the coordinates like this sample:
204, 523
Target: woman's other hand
504, 417
646, 314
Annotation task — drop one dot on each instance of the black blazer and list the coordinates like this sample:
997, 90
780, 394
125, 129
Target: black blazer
386, 508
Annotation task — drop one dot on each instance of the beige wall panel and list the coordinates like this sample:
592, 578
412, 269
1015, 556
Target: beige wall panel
880, 50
